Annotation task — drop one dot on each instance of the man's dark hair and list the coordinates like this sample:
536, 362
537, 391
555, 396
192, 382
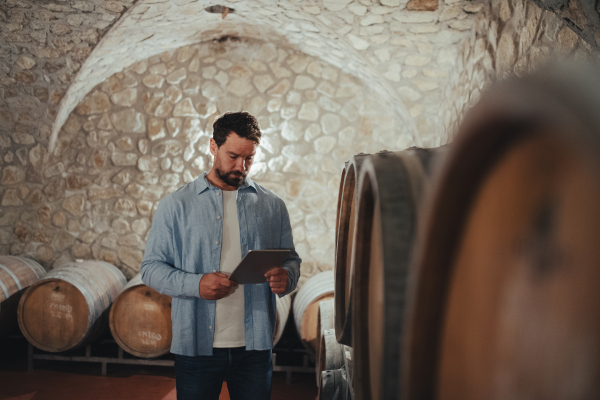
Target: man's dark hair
242, 123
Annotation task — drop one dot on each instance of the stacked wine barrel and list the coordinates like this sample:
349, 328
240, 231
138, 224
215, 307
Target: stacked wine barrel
306, 308
16, 275
69, 306
381, 197
140, 320
477, 278
74, 303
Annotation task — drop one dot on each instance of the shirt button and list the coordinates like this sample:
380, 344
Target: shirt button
210, 327
216, 242
219, 217
218, 193
214, 270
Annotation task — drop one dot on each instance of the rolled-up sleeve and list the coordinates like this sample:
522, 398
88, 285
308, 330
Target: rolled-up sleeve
158, 268
293, 261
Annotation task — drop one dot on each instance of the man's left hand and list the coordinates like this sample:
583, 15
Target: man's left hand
277, 278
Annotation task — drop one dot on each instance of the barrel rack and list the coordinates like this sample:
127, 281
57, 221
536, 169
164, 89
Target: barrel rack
120, 359
124, 358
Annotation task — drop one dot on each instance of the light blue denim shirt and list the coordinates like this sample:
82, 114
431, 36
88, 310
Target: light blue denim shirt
185, 243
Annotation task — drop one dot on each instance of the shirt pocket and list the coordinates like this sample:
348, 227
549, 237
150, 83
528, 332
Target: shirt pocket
267, 229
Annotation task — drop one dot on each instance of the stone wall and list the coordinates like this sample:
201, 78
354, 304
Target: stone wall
145, 131
404, 50
42, 46
132, 109
512, 37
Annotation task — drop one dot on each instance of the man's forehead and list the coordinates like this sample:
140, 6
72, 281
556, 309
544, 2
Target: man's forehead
239, 145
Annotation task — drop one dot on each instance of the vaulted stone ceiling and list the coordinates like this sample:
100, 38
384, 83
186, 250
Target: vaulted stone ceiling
404, 50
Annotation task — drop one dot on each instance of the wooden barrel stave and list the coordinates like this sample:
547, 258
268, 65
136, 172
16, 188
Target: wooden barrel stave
330, 354
345, 230
325, 323
69, 307
105, 276
325, 318
334, 351
525, 162
93, 297
306, 307
16, 274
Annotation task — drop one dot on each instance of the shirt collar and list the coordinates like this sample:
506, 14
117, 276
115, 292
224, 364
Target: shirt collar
203, 184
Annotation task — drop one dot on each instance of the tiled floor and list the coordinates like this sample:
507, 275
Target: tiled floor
58, 380
124, 385
128, 384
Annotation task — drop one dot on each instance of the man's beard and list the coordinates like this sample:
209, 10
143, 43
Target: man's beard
232, 178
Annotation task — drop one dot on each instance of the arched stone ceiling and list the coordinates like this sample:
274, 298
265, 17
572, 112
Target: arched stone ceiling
364, 38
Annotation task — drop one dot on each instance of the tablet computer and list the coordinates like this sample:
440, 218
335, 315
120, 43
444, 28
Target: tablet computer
256, 264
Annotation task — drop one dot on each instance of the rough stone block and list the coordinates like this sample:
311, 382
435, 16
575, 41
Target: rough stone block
129, 121
422, 5
125, 98
96, 103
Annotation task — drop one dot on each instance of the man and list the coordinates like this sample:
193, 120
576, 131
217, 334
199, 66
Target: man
200, 232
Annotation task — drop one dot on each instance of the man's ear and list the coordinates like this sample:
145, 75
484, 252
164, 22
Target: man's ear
213, 147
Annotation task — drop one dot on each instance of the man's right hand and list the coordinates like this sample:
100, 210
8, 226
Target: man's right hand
215, 286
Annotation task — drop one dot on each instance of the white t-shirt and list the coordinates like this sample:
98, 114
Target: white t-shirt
229, 318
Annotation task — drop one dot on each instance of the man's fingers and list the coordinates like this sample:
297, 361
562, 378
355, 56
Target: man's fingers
224, 282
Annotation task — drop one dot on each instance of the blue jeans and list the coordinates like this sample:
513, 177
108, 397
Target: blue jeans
247, 372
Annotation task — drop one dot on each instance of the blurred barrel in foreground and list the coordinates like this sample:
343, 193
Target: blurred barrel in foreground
140, 320
346, 221
505, 300
283, 311
68, 307
306, 307
391, 191
16, 275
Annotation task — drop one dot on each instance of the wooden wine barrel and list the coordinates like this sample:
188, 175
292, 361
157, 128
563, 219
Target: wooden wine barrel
325, 323
140, 320
339, 202
331, 353
345, 226
306, 307
334, 385
283, 311
505, 300
325, 318
69, 306
16, 275
348, 355
392, 186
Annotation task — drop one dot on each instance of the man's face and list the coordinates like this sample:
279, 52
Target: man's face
233, 159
